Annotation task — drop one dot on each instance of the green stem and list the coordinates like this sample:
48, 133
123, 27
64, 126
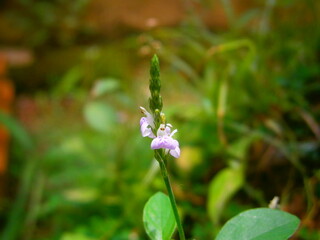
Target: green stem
166, 180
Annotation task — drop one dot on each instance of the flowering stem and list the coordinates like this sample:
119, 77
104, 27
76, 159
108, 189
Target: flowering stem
155, 105
165, 176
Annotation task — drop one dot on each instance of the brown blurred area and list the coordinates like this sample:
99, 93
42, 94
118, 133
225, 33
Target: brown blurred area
8, 57
112, 18
6, 98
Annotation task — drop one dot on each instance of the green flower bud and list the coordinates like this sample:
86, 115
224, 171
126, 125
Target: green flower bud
155, 101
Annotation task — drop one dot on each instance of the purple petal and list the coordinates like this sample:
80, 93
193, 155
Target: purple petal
168, 130
164, 142
146, 131
148, 118
176, 152
143, 120
151, 135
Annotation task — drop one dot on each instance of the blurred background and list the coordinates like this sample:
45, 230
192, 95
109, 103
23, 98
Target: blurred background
240, 81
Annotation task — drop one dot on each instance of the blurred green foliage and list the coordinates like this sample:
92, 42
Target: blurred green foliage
245, 101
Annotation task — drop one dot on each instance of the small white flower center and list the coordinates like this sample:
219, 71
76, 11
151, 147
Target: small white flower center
161, 131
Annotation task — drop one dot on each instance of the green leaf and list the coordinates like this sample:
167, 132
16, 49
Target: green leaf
100, 116
16, 129
75, 236
226, 183
69, 81
239, 148
158, 217
260, 224
103, 86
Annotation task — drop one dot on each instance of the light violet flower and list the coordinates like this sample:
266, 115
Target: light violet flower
146, 124
164, 140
